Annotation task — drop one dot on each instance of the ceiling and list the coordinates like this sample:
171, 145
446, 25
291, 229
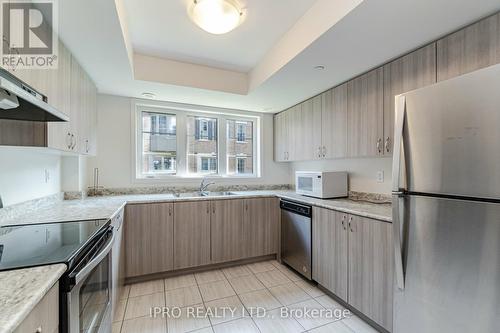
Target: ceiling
163, 29
266, 64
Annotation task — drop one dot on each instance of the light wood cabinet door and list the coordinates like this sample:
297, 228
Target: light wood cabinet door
280, 137
365, 118
149, 238
45, 315
334, 122
191, 234
371, 269
330, 250
294, 127
308, 143
226, 223
474, 47
261, 222
415, 70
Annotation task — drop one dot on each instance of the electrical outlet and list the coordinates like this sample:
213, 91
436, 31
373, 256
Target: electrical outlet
380, 176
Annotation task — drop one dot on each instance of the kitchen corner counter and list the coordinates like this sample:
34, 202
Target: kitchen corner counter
21, 290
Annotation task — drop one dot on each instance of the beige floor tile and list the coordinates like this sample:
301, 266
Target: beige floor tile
259, 267
145, 325
191, 318
210, 276
289, 293
329, 303
292, 275
124, 292
116, 327
236, 271
357, 325
180, 282
141, 305
245, 325
225, 309
146, 288
260, 299
215, 290
182, 297
272, 278
204, 330
245, 284
310, 314
335, 327
273, 322
309, 288
119, 310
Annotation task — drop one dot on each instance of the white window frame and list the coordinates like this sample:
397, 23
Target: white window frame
182, 111
238, 124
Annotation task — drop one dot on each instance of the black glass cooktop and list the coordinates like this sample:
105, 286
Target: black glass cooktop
44, 244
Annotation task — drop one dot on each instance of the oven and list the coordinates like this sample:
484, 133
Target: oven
85, 294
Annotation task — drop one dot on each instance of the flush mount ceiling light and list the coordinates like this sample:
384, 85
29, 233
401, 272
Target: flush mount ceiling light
148, 95
216, 16
319, 67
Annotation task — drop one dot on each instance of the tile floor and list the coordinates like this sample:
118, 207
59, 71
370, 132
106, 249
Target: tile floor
255, 293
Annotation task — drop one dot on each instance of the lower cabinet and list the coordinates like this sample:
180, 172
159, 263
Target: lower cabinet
352, 257
148, 238
226, 223
330, 250
45, 316
192, 234
160, 237
261, 227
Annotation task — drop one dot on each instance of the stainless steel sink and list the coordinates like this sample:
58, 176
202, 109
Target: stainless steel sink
202, 194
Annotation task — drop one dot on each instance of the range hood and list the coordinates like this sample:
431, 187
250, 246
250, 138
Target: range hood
19, 101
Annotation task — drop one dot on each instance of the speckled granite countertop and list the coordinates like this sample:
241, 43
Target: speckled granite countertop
21, 290
107, 206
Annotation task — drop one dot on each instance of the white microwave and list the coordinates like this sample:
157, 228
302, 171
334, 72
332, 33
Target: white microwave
331, 184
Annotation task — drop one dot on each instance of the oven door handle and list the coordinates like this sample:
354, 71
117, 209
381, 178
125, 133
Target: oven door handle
94, 262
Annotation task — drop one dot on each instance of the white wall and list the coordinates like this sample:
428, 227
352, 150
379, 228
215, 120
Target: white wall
114, 156
362, 172
22, 174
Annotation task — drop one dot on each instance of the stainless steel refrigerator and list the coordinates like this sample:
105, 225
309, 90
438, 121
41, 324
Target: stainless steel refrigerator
446, 206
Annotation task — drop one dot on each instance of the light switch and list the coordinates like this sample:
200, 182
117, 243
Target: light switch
380, 176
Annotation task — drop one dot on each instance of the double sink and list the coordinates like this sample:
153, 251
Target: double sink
203, 194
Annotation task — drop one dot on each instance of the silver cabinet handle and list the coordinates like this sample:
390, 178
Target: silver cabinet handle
343, 222
170, 211
208, 208
213, 209
73, 142
379, 146
87, 145
388, 144
324, 151
350, 224
68, 140
319, 152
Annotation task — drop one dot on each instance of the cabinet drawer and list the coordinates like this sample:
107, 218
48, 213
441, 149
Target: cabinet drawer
44, 318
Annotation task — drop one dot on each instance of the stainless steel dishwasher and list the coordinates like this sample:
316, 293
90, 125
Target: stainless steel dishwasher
296, 236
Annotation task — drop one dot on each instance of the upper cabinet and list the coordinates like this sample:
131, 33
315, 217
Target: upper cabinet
334, 122
474, 47
365, 116
415, 70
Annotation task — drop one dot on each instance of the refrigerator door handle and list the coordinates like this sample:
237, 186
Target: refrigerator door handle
397, 219
398, 143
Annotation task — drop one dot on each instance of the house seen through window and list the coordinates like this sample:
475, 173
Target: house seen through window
159, 143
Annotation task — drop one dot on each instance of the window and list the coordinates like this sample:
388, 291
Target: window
202, 145
159, 143
240, 147
177, 141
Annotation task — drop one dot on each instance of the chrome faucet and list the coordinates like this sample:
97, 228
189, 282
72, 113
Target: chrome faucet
204, 186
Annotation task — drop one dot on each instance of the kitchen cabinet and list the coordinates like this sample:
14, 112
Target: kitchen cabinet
191, 234
415, 70
45, 315
469, 49
280, 136
149, 238
371, 269
226, 223
261, 227
333, 123
353, 258
365, 119
330, 250
309, 145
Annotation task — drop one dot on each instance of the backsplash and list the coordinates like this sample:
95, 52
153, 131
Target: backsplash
184, 189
